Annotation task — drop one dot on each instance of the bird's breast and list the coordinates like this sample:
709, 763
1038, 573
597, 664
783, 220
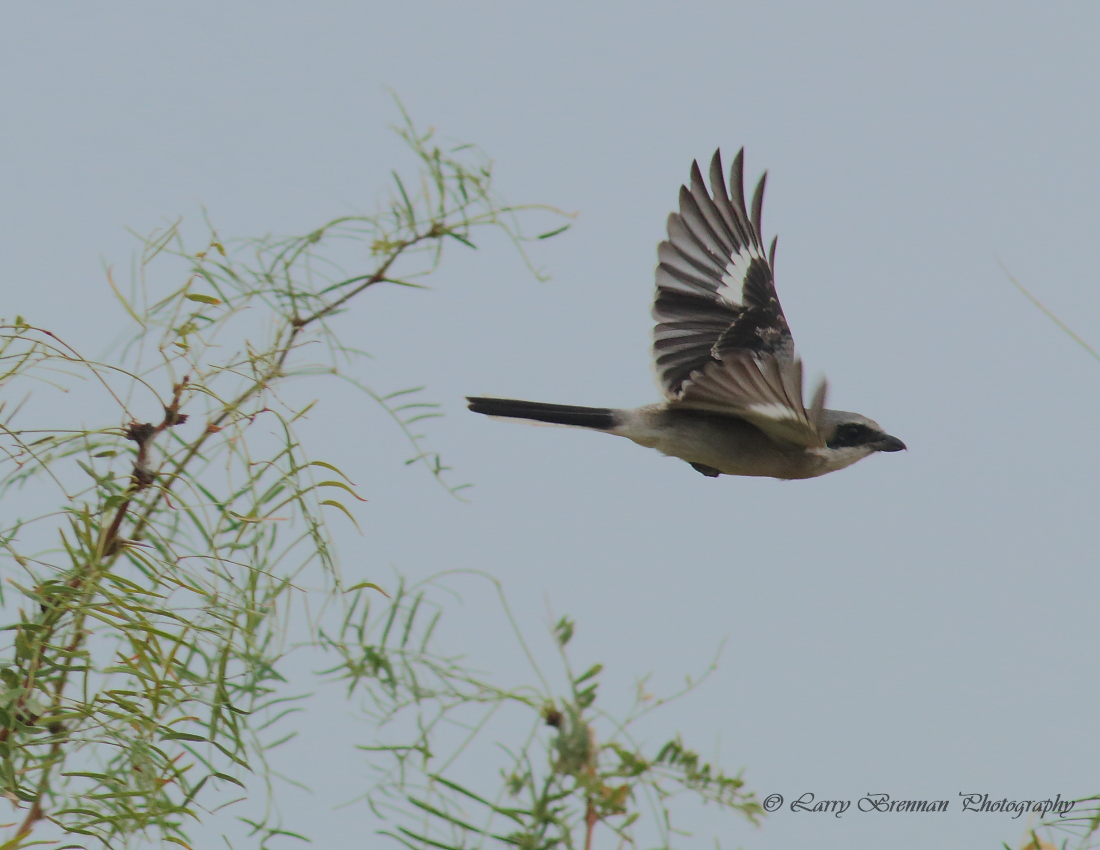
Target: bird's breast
729, 444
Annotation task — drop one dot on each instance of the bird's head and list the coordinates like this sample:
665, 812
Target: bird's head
851, 430
850, 437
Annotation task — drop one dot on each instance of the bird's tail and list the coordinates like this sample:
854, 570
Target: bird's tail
600, 418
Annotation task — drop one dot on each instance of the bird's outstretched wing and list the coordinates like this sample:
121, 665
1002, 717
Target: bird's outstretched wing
721, 341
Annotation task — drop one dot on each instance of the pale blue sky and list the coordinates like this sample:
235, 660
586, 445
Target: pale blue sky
921, 624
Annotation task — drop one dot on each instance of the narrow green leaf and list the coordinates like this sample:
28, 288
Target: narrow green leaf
369, 584
118, 295
202, 299
461, 239
183, 736
332, 468
511, 813
409, 210
594, 670
550, 233
423, 839
442, 815
397, 393
342, 485
347, 513
227, 778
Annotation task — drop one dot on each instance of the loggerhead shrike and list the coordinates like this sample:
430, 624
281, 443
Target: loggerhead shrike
724, 356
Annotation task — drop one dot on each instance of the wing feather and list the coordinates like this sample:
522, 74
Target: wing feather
699, 234
722, 202
737, 182
714, 253
724, 243
687, 244
758, 205
721, 341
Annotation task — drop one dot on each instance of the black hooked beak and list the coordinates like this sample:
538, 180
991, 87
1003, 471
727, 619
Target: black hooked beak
888, 444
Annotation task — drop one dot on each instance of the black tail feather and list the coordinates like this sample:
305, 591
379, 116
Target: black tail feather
600, 418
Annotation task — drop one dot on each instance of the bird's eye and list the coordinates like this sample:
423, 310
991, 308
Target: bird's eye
850, 434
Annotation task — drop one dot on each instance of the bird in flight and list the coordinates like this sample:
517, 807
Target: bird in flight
723, 354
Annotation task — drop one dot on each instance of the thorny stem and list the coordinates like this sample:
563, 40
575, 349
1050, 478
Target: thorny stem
296, 326
591, 818
434, 232
142, 477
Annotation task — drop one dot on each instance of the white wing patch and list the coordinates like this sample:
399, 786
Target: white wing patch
774, 410
736, 269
